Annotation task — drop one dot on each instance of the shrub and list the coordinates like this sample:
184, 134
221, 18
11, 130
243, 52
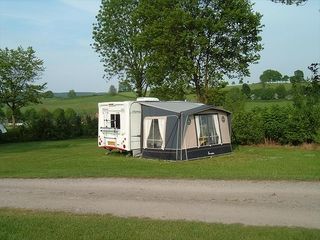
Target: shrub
247, 128
60, 128
275, 122
73, 123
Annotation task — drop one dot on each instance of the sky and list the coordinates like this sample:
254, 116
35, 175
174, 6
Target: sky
60, 31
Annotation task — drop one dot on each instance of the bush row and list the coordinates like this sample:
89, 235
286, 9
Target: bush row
56, 125
284, 125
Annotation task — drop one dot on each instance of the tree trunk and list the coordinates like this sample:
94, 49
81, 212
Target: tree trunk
139, 90
198, 88
206, 81
13, 119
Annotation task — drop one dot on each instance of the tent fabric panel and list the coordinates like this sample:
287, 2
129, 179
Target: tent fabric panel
224, 127
172, 132
173, 106
208, 151
152, 111
190, 136
187, 154
217, 127
146, 130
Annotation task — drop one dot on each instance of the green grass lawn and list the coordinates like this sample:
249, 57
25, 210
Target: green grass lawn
22, 224
82, 158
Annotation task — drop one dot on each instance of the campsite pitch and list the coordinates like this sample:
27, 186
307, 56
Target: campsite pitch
82, 158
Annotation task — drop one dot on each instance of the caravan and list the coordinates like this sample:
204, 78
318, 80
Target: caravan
173, 130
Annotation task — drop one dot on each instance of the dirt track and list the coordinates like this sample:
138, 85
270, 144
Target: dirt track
248, 202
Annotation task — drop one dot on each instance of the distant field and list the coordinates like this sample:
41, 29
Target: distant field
82, 158
81, 104
266, 103
23, 224
89, 104
254, 86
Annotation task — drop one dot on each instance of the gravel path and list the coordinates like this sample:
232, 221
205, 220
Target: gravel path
253, 203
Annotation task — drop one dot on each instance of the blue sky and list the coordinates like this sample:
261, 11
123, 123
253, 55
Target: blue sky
60, 31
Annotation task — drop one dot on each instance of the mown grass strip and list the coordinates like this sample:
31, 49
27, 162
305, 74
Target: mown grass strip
82, 158
23, 224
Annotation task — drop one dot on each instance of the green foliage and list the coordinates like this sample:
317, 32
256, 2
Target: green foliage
247, 128
290, 2
74, 128
246, 90
234, 100
19, 69
270, 76
170, 91
2, 115
199, 42
48, 94
312, 89
115, 39
306, 93
112, 90
270, 91
72, 94
194, 44
216, 96
42, 127
284, 125
281, 91
58, 124
125, 86
275, 120
90, 126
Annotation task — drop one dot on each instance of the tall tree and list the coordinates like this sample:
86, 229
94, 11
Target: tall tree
270, 76
72, 93
19, 69
112, 90
290, 2
114, 36
245, 89
124, 86
199, 41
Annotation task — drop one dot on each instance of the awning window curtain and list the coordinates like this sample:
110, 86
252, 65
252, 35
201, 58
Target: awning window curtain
208, 130
154, 132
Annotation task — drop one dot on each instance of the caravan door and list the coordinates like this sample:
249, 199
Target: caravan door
135, 125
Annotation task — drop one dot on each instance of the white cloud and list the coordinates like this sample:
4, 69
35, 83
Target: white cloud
90, 6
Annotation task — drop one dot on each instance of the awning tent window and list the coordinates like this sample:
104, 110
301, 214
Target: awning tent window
208, 132
154, 132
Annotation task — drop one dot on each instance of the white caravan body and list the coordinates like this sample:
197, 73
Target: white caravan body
120, 125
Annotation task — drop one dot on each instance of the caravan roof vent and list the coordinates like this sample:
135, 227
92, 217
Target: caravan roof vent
147, 99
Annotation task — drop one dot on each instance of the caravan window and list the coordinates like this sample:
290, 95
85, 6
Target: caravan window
154, 132
208, 131
115, 121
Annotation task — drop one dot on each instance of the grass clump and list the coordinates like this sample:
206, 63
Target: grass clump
82, 158
22, 224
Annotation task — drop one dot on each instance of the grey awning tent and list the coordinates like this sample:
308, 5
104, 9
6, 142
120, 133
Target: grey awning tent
183, 130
